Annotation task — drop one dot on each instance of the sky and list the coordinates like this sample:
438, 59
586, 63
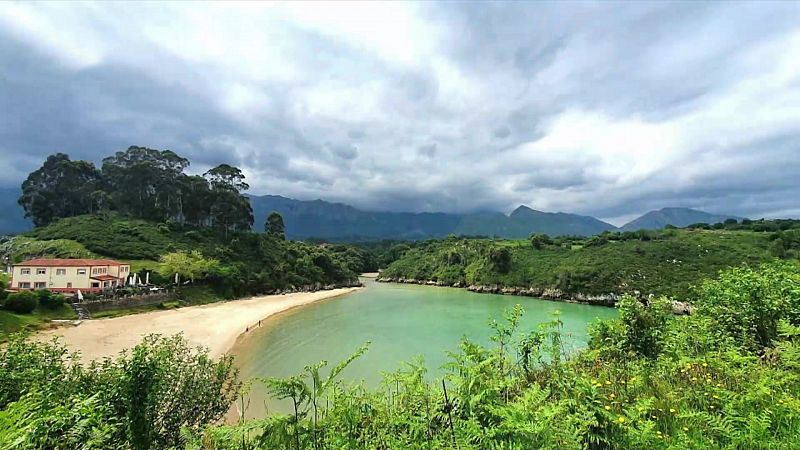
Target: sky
604, 109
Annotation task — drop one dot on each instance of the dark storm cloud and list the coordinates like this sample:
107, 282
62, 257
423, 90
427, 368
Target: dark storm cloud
609, 109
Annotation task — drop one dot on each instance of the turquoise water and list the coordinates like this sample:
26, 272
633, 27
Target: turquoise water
401, 321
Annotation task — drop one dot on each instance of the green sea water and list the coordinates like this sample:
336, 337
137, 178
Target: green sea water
401, 321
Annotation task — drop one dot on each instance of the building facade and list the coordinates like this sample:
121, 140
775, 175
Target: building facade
69, 275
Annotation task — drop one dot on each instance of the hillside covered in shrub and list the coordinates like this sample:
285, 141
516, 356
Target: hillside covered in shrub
238, 263
663, 262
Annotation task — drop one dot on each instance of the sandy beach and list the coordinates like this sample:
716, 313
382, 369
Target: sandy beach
216, 326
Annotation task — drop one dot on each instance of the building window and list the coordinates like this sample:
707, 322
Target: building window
69, 285
41, 271
39, 285
61, 271
95, 284
25, 271
98, 270
22, 285
81, 271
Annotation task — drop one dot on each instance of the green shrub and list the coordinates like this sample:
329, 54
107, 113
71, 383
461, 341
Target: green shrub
50, 300
3, 292
748, 304
640, 330
21, 302
144, 399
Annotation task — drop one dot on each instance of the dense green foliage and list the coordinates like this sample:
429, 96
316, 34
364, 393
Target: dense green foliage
649, 380
248, 263
21, 302
61, 188
188, 265
142, 183
665, 262
228, 263
274, 225
144, 399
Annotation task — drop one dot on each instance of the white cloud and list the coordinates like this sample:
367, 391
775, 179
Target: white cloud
594, 108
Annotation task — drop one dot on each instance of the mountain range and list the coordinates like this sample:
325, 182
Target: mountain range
341, 222
338, 221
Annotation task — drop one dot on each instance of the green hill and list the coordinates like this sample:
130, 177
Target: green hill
664, 262
249, 263
678, 217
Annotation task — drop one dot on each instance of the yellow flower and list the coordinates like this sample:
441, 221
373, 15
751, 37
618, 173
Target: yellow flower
719, 384
608, 381
621, 419
705, 365
608, 408
654, 417
694, 378
685, 429
612, 395
672, 410
716, 397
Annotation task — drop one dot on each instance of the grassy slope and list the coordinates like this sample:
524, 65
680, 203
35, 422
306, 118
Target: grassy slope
251, 263
667, 265
11, 323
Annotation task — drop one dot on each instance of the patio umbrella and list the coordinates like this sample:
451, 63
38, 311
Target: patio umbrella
80, 296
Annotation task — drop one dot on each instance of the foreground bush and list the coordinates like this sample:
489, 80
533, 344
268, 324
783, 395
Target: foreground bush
21, 302
50, 300
143, 399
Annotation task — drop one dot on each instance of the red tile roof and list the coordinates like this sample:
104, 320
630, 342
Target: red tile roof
104, 277
57, 262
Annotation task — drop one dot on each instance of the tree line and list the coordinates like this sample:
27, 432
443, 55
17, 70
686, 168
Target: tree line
139, 182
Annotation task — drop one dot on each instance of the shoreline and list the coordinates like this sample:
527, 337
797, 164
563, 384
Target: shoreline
553, 294
215, 326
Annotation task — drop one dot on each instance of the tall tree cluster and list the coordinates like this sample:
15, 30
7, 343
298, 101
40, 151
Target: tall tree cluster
140, 182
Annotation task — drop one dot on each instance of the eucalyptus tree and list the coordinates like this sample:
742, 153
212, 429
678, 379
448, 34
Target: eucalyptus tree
230, 210
60, 188
274, 225
145, 182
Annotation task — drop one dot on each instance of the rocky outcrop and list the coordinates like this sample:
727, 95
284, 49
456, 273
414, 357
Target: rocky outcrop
610, 299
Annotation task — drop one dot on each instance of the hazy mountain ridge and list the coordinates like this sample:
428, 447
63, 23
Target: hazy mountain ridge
342, 222
679, 217
338, 221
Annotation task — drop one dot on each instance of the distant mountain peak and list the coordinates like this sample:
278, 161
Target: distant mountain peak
676, 216
522, 209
